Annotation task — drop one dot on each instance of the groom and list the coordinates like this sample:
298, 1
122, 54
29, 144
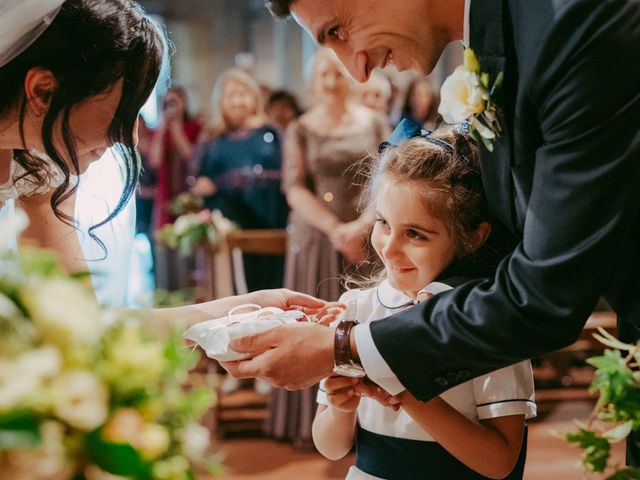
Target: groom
563, 178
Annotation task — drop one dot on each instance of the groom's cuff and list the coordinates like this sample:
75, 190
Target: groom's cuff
374, 365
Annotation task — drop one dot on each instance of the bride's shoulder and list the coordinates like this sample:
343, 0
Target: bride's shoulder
16, 180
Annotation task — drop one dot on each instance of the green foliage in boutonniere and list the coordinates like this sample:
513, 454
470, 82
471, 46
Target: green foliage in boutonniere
467, 95
617, 412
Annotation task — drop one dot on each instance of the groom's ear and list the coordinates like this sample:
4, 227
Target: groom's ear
480, 235
39, 85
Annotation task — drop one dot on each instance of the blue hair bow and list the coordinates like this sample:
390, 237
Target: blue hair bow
407, 129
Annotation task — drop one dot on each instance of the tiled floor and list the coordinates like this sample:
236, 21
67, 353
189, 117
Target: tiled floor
549, 457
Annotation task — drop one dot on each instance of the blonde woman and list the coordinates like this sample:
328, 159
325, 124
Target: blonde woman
240, 168
375, 93
327, 233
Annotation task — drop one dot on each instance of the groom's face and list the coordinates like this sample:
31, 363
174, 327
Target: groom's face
366, 34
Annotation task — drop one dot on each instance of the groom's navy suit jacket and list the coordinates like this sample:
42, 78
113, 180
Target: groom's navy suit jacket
563, 179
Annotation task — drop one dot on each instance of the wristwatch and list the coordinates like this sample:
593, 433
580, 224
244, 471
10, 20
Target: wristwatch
344, 363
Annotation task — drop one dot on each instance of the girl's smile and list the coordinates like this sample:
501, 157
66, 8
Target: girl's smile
400, 269
414, 245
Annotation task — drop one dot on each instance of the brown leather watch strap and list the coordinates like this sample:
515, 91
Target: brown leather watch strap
342, 343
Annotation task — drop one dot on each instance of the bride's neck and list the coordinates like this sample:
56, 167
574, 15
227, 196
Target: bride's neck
9, 134
9, 140
5, 165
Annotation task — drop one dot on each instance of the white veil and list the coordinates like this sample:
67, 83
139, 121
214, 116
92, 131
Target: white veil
22, 22
98, 194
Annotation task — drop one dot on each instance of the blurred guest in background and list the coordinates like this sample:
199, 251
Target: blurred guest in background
376, 92
421, 104
239, 174
282, 109
147, 182
327, 234
170, 152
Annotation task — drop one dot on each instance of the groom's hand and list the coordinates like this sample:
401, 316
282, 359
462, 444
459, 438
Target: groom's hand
292, 356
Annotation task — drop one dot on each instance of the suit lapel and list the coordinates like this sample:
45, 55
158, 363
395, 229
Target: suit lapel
487, 39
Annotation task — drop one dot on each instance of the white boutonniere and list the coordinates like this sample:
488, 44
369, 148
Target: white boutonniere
467, 95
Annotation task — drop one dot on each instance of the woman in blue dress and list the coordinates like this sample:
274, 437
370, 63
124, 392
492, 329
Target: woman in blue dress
240, 169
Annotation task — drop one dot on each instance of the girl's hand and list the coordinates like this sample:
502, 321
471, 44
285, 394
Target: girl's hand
341, 393
367, 388
329, 313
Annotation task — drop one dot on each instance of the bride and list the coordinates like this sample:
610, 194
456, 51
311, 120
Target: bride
73, 76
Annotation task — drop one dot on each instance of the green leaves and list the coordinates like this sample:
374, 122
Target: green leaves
619, 391
612, 375
186, 203
179, 358
596, 449
116, 458
617, 380
626, 474
19, 429
190, 238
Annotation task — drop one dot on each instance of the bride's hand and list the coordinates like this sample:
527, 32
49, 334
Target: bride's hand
287, 300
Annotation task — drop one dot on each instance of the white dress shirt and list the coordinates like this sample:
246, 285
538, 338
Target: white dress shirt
465, 32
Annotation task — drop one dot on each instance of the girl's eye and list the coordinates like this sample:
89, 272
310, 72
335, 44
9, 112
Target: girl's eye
416, 235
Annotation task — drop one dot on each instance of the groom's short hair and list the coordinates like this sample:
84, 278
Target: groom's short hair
279, 8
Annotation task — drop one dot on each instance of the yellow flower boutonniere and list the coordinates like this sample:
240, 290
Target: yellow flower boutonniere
467, 95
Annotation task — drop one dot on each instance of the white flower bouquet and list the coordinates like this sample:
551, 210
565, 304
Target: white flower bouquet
85, 393
193, 228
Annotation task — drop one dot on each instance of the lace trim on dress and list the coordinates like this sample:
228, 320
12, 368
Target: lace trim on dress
20, 185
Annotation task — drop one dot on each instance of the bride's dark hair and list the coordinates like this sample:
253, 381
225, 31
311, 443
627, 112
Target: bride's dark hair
89, 46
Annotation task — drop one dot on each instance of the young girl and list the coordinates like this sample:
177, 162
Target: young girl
431, 218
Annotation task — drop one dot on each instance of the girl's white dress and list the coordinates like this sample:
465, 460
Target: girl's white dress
508, 391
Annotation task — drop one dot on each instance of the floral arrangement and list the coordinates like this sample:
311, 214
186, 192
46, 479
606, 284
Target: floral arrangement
191, 229
467, 96
86, 393
617, 411
186, 203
